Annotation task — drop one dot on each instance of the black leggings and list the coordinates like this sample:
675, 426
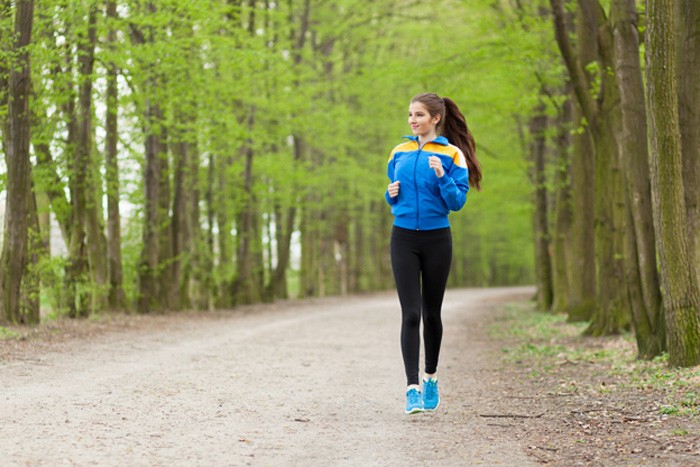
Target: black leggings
416, 255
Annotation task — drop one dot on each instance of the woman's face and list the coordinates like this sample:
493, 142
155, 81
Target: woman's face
420, 120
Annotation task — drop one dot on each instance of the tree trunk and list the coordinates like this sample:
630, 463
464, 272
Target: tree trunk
679, 286
285, 227
583, 259
612, 313
360, 266
543, 264
179, 221
166, 258
602, 118
689, 115
190, 284
13, 260
116, 298
5, 32
640, 250
224, 206
586, 37
30, 292
309, 286
340, 251
188, 223
45, 169
208, 259
150, 293
192, 281
148, 278
96, 242
76, 279
246, 287
582, 264
278, 281
563, 216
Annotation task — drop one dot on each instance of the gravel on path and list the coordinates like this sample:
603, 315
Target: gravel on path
314, 382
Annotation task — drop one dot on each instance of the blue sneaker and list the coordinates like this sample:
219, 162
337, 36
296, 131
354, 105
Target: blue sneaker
414, 401
431, 398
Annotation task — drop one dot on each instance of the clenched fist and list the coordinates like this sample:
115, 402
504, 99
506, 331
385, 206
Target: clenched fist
394, 189
436, 165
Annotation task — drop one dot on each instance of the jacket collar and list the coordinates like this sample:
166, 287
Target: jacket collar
439, 140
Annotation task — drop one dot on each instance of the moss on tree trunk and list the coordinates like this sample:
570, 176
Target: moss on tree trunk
681, 296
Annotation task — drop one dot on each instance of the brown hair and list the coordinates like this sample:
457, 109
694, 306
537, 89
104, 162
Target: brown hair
453, 126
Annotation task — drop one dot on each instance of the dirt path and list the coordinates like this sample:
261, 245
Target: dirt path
315, 382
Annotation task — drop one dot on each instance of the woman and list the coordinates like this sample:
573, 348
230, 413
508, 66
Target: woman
430, 176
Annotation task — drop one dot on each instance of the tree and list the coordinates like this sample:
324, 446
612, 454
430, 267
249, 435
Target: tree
582, 258
688, 62
679, 285
86, 186
538, 127
150, 290
242, 139
562, 254
117, 298
20, 197
640, 251
6, 36
602, 119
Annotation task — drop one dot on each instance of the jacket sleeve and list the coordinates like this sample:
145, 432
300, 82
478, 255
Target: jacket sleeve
454, 186
390, 172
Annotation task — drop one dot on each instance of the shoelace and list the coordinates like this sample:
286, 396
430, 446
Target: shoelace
413, 396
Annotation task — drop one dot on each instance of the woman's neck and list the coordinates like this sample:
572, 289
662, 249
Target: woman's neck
422, 140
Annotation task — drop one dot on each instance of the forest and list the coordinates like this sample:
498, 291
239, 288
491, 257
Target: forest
203, 154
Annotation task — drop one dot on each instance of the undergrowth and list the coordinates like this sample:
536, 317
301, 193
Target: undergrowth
545, 343
6, 333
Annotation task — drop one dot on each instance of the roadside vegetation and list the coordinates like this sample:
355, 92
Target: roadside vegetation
591, 399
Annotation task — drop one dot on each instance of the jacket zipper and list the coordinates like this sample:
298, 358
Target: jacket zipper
415, 183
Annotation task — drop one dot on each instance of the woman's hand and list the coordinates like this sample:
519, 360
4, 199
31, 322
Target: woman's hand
394, 189
436, 165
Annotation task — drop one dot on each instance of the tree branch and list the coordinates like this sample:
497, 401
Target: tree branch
576, 73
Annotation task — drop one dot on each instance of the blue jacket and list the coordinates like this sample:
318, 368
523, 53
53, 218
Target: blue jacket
424, 200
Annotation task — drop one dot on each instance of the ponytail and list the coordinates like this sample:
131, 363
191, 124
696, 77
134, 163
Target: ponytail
455, 129
453, 126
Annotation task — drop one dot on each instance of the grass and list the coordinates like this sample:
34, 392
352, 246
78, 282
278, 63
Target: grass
544, 343
6, 333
